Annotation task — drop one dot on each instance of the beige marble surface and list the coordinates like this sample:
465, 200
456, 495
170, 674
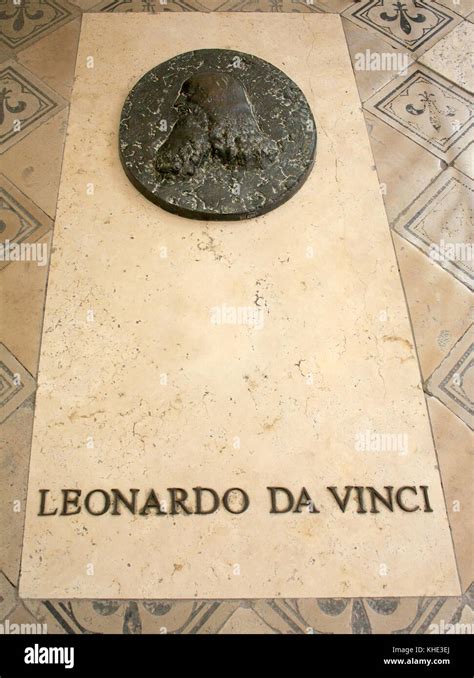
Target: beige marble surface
335, 325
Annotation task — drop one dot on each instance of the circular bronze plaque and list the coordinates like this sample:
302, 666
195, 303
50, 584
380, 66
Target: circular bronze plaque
217, 134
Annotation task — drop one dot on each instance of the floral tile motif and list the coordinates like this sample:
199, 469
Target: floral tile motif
415, 24
440, 223
305, 616
25, 103
367, 615
134, 617
428, 109
16, 383
24, 21
21, 221
453, 381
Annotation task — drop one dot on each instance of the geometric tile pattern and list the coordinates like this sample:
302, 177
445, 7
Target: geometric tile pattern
453, 381
25, 102
428, 109
16, 383
150, 6
8, 597
21, 221
440, 222
24, 21
413, 24
154, 6
265, 6
282, 616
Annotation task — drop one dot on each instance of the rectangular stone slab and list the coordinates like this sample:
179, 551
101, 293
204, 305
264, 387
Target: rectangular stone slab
140, 389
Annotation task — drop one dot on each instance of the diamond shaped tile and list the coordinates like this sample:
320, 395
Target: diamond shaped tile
453, 381
25, 103
16, 383
428, 109
25, 21
440, 223
415, 25
21, 221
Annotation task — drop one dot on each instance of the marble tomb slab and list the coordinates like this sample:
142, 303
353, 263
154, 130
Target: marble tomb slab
269, 353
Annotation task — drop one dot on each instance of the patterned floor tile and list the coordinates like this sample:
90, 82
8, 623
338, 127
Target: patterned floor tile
22, 289
465, 161
151, 6
15, 441
8, 598
440, 223
245, 620
85, 5
368, 615
430, 110
25, 103
5, 53
137, 617
46, 614
441, 308
34, 165
21, 221
396, 158
455, 448
53, 58
20, 620
16, 383
414, 25
373, 61
25, 21
461, 7
277, 5
453, 381
453, 56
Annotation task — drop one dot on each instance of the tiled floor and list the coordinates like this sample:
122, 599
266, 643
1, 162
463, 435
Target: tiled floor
415, 82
